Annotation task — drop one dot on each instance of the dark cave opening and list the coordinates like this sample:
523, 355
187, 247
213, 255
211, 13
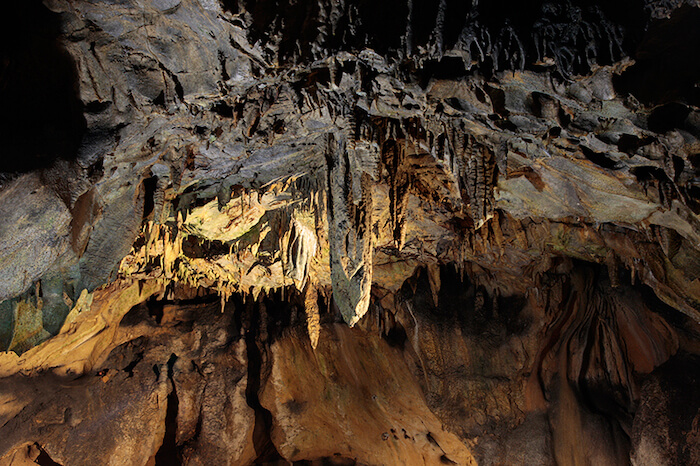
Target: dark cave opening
663, 71
396, 336
668, 116
264, 447
598, 316
168, 454
462, 301
149, 187
599, 158
42, 116
44, 459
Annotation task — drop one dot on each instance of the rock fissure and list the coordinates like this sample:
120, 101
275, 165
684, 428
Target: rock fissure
168, 453
256, 355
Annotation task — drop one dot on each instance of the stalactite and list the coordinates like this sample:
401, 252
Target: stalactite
408, 37
437, 37
350, 234
313, 319
434, 281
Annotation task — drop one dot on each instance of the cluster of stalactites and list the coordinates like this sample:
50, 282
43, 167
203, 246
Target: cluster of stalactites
573, 36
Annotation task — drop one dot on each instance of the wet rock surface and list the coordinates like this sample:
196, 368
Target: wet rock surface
314, 232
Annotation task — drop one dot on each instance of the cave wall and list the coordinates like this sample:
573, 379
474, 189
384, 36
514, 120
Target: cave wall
320, 232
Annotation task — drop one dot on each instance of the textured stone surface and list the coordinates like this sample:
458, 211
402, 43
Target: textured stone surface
318, 397
500, 198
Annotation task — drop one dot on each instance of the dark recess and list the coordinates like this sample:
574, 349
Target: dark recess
667, 67
44, 459
223, 109
129, 369
155, 308
599, 158
396, 336
41, 118
264, 447
168, 453
336, 460
149, 186
668, 116
680, 377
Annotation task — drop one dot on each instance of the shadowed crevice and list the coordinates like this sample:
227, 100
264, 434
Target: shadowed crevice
41, 119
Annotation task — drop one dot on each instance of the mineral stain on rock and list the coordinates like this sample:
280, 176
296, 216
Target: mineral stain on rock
349, 233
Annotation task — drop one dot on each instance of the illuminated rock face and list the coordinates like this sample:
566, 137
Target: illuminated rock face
401, 232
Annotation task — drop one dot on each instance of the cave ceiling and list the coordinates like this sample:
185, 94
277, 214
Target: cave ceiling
350, 232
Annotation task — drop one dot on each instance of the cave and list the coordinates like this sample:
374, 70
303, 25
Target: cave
319, 232
42, 117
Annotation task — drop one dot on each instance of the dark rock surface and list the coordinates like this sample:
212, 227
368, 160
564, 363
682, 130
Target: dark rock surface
350, 232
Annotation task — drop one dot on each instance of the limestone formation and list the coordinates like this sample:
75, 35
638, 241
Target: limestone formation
349, 232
